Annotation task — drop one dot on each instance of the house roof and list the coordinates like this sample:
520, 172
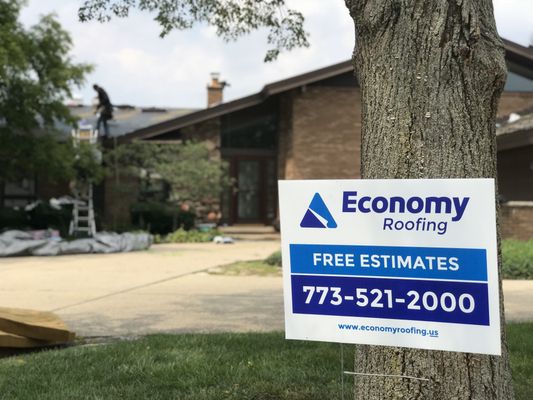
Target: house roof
518, 133
520, 59
126, 119
244, 102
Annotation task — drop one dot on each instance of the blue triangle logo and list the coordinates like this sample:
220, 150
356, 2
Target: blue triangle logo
318, 215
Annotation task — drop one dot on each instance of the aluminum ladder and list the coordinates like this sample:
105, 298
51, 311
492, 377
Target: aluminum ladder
83, 221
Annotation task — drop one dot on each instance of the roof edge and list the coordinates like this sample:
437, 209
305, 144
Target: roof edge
514, 52
243, 102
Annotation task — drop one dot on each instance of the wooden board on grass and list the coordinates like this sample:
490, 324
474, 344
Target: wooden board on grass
39, 325
8, 340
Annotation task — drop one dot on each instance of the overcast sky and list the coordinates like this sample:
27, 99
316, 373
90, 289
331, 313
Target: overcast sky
137, 67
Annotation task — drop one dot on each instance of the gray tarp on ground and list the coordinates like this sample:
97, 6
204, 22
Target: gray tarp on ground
19, 243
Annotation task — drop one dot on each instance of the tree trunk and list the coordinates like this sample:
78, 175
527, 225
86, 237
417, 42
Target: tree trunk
431, 73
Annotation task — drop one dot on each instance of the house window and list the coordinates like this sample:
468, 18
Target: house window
518, 83
19, 194
253, 128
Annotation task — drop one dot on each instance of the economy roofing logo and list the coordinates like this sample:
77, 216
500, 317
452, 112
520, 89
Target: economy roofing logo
432, 209
318, 215
453, 206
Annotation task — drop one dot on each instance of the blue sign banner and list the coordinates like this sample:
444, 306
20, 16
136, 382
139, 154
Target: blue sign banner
420, 300
388, 261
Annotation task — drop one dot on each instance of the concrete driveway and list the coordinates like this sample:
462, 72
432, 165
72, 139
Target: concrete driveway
166, 289
163, 289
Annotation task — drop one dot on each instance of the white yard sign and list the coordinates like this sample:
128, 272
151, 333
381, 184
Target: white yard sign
409, 263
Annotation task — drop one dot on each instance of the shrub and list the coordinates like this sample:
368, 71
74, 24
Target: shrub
192, 236
13, 219
43, 216
274, 259
517, 259
161, 218
190, 172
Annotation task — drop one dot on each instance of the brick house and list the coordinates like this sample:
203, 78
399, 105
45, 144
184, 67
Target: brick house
127, 119
515, 176
269, 135
295, 129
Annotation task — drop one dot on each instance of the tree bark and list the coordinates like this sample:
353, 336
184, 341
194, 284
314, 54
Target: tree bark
431, 73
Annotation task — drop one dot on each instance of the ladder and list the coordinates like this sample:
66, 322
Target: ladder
83, 219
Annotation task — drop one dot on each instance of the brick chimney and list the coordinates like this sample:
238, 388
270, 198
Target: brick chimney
215, 90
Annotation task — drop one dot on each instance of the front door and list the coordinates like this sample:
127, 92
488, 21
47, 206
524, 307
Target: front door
254, 197
249, 190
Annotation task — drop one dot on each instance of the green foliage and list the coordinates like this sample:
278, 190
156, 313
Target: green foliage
274, 259
87, 163
192, 236
36, 75
23, 155
161, 218
270, 266
230, 18
193, 174
517, 259
36, 71
138, 156
246, 268
13, 219
42, 216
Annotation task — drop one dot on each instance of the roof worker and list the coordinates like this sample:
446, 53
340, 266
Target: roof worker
104, 110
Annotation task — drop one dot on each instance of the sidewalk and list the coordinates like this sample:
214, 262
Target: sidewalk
167, 289
518, 297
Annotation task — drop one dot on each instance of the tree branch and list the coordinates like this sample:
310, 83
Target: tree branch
230, 18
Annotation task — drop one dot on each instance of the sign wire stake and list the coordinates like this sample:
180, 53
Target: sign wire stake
342, 372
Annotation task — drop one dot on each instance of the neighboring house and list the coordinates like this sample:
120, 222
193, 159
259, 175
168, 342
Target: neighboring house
515, 175
126, 120
305, 127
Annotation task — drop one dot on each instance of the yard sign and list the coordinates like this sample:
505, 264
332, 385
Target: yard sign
409, 263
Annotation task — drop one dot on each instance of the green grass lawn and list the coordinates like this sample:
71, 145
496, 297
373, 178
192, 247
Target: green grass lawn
245, 268
258, 366
520, 338
270, 266
195, 367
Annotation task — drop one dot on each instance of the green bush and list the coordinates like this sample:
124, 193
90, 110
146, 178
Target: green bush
274, 259
160, 218
517, 259
192, 236
43, 216
13, 219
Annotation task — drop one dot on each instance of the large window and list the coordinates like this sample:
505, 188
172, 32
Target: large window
18, 194
518, 83
253, 128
